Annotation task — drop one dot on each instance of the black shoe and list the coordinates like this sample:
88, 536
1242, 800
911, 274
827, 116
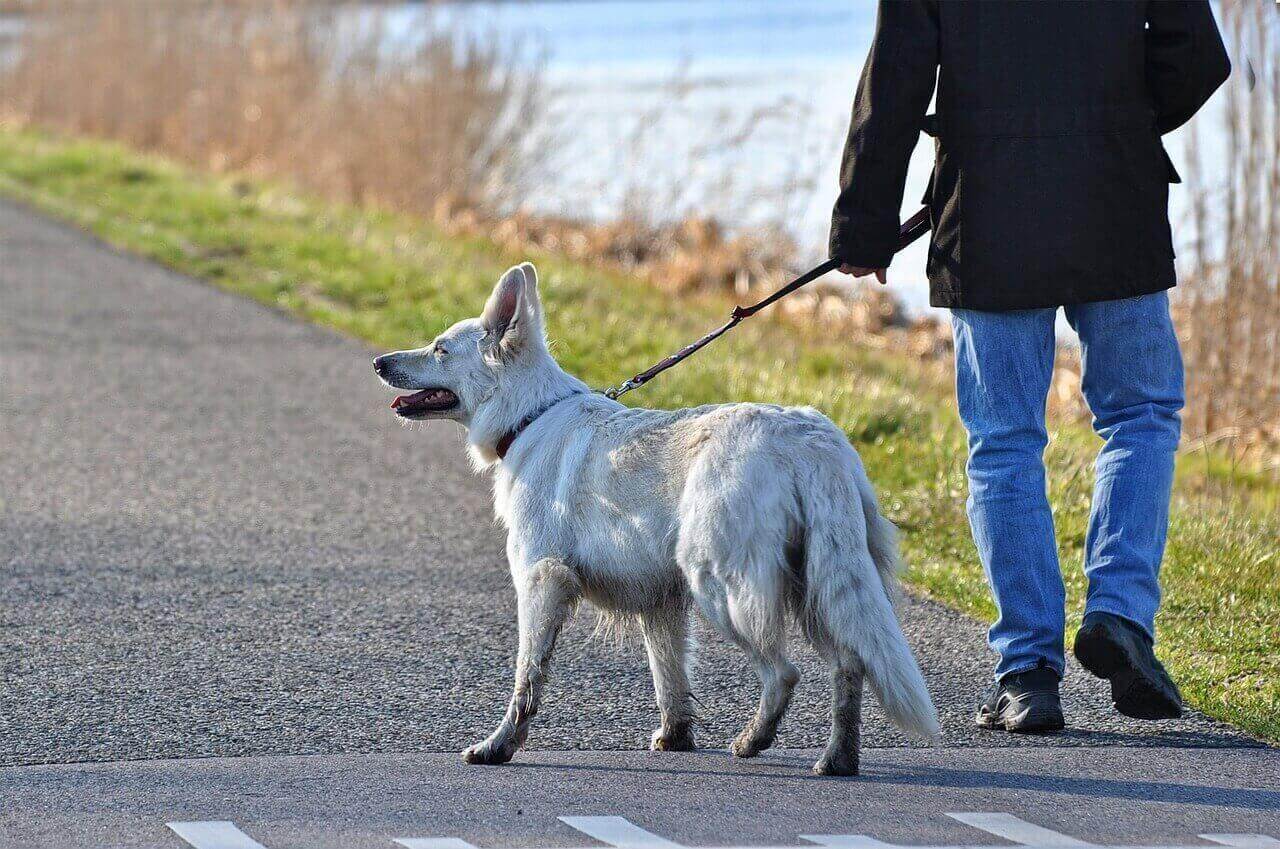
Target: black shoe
1024, 703
1114, 648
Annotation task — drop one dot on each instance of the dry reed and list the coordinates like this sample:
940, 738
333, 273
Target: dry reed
1228, 307
313, 93
292, 90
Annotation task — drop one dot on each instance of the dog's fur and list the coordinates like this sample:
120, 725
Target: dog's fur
758, 515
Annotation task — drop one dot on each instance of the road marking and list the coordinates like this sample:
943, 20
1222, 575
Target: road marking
621, 833
618, 832
217, 834
1016, 830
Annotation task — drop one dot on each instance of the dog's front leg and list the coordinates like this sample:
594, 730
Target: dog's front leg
546, 593
666, 637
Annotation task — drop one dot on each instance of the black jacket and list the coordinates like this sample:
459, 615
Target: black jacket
1050, 185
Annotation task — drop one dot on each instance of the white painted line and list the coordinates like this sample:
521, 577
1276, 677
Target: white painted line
1016, 830
846, 841
618, 832
217, 834
1054, 845
1269, 843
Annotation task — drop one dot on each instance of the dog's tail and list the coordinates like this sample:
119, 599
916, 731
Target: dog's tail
852, 595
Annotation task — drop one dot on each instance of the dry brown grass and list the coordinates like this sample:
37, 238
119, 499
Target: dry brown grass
681, 256
283, 89
1229, 304
289, 90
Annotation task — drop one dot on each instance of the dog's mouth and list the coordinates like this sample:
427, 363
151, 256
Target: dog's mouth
425, 403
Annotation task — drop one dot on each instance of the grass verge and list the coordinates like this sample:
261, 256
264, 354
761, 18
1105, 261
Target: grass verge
396, 281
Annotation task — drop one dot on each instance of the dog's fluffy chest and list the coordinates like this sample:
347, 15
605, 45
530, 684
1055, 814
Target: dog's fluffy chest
604, 501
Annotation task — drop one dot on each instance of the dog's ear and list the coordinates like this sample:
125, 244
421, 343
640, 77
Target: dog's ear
533, 300
513, 315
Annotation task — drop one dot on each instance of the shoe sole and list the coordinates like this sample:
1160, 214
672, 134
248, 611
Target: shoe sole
1024, 723
1135, 694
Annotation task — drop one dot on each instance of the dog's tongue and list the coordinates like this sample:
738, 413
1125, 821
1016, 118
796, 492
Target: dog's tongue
415, 398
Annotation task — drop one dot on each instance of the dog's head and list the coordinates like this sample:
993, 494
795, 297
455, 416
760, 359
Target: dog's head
464, 367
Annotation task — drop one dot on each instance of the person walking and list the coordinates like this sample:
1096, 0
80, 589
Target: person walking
1049, 190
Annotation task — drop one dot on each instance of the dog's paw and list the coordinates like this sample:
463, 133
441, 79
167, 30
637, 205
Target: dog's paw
489, 754
748, 745
838, 764
672, 740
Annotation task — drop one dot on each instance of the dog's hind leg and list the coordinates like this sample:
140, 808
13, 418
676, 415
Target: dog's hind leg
778, 678
735, 522
758, 628
841, 755
547, 593
666, 637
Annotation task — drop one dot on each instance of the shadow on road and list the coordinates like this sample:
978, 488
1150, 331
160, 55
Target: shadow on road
1105, 788
787, 766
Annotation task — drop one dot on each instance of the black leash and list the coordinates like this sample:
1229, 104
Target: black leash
912, 229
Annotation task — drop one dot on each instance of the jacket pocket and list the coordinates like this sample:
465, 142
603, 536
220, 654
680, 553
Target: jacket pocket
942, 197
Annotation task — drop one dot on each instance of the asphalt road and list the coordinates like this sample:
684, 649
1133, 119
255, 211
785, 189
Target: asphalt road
217, 542
702, 799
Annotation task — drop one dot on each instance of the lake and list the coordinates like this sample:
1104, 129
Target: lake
735, 109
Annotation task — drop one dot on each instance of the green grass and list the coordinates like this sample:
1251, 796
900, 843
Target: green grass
396, 281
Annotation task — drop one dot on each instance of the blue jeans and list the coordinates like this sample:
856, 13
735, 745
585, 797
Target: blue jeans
1132, 381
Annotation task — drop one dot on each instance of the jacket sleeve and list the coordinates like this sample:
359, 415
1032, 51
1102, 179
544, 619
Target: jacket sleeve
888, 113
1186, 60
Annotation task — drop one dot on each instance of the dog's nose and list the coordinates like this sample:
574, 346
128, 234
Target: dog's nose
380, 365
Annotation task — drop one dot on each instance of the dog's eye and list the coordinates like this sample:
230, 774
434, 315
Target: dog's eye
441, 351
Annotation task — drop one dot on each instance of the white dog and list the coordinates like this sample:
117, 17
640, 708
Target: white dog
759, 515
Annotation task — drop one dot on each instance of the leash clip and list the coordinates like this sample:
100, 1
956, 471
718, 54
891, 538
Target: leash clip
621, 389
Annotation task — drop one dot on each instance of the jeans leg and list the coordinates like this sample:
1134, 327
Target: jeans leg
1133, 381
1004, 364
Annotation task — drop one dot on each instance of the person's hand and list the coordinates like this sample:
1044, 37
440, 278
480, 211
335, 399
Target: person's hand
858, 271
